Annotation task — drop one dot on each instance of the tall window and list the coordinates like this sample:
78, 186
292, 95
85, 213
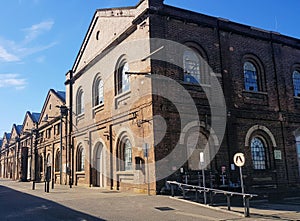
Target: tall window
57, 161
80, 102
250, 77
98, 92
296, 82
80, 159
191, 66
122, 79
128, 155
258, 152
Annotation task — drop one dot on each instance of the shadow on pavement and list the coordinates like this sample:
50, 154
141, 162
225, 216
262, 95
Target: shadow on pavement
15, 205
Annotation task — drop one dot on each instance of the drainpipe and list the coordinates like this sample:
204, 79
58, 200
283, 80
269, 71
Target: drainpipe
17, 161
60, 149
70, 82
71, 152
52, 168
111, 157
280, 112
66, 145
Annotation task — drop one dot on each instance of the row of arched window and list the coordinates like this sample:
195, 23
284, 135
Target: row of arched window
124, 154
254, 79
194, 72
122, 85
258, 144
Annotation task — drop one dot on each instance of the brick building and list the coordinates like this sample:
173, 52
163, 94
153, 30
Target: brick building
35, 145
258, 71
116, 108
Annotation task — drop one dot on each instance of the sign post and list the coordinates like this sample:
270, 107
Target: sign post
239, 160
203, 174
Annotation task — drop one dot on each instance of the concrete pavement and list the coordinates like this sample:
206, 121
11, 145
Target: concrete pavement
19, 202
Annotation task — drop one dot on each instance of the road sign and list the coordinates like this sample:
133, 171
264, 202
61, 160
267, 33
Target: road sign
239, 159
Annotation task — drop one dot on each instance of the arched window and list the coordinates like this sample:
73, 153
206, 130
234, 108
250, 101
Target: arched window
98, 92
296, 82
122, 79
80, 159
57, 161
128, 155
80, 102
250, 77
258, 152
191, 66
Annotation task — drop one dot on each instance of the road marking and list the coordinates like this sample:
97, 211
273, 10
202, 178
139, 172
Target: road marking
196, 216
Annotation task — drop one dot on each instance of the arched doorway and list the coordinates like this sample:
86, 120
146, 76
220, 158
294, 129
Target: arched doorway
99, 166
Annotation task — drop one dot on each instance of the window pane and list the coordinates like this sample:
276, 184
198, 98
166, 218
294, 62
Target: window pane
191, 65
258, 154
125, 77
82, 159
81, 103
296, 82
128, 155
250, 77
100, 92
122, 80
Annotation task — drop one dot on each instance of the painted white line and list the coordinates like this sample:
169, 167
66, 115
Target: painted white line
208, 207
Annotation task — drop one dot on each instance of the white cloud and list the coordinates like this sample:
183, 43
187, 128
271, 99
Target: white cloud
25, 51
12, 51
35, 30
6, 56
12, 80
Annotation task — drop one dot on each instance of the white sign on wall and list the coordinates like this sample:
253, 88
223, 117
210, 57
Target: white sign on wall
277, 154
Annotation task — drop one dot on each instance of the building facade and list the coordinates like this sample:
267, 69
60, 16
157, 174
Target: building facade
34, 146
127, 123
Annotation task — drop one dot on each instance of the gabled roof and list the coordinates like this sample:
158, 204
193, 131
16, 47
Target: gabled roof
15, 133
5, 140
62, 95
7, 136
114, 24
53, 100
19, 129
32, 119
35, 117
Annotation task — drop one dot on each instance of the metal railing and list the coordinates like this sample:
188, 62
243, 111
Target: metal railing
198, 189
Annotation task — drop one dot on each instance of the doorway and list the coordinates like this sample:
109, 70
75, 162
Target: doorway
99, 166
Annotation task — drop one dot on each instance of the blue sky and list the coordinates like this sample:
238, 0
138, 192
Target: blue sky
39, 41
